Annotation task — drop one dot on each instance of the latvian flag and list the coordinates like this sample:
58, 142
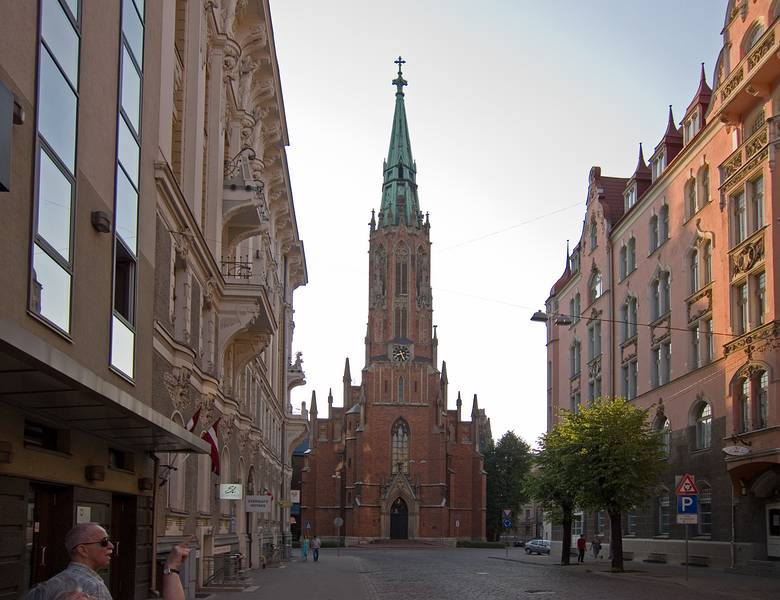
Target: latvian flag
210, 436
193, 421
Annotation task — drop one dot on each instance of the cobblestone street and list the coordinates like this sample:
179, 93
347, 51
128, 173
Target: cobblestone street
439, 574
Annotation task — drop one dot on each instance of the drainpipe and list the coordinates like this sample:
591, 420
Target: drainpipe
153, 576
733, 529
612, 323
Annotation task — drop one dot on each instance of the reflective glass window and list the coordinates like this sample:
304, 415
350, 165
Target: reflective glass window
61, 38
122, 347
51, 289
126, 211
57, 111
131, 90
133, 30
128, 151
54, 206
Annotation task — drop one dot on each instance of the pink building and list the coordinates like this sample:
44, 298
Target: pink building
669, 299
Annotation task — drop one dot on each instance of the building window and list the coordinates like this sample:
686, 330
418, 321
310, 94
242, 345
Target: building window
756, 216
575, 358
660, 294
574, 308
663, 427
595, 285
762, 400
628, 318
738, 217
400, 447
593, 234
661, 365
693, 263
751, 37
706, 253
663, 224
127, 186
703, 426
709, 342
705, 509
629, 371
741, 309
402, 272
623, 262
401, 389
400, 321
664, 509
574, 399
629, 199
704, 185
695, 346
653, 233
594, 340
594, 388
631, 255
58, 98
744, 405
759, 298
631, 522
576, 524
690, 197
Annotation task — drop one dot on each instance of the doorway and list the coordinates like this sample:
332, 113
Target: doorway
51, 508
123, 535
773, 530
399, 520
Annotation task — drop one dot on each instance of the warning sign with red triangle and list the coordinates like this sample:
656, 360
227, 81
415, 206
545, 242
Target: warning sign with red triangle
687, 487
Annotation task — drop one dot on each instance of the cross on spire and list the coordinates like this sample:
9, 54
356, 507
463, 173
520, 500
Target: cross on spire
399, 82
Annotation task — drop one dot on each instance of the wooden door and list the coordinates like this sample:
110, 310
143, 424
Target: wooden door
123, 536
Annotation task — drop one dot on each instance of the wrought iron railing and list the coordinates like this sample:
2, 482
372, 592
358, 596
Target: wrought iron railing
236, 269
222, 569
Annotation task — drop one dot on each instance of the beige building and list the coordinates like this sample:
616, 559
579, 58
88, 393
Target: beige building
150, 257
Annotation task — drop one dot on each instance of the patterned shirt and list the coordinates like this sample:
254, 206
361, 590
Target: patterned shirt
75, 577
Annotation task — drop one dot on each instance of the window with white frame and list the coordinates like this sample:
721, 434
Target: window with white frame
708, 350
660, 294
756, 204
629, 377
623, 262
663, 224
628, 318
629, 199
652, 233
574, 399
576, 524
691, 126
743, 403
693, 265
738, 217
758, 287
594, 388
594, 340
752, 36
575, 357
658, 165
703, 416
761, 383
695, 346
706, 261
741, 309
661, 355
595, 285
574, 308
631, 255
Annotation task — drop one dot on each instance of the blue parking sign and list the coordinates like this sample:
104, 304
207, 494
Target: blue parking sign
687, 505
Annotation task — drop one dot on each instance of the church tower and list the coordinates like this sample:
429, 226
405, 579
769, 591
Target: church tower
393, 461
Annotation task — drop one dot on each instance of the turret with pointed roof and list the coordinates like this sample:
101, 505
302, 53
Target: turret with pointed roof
399, 187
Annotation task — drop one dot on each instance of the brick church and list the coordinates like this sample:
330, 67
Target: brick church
393, 462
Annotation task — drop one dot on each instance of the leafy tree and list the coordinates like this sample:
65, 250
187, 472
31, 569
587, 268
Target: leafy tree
618, 460
553, 483
506, 464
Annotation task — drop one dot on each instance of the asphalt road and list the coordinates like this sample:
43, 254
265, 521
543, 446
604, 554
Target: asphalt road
446, 574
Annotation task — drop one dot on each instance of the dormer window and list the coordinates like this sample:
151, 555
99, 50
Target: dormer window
574, 260
691, 127
629, 199
659, 164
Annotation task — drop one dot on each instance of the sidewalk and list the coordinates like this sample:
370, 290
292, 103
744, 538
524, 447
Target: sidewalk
717, 580
330, 578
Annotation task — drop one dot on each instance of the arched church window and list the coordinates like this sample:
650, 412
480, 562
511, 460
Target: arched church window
400, 321
402, 271
400, 447
401, 389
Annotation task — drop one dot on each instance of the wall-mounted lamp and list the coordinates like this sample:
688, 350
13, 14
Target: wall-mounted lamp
101, 221
231, 166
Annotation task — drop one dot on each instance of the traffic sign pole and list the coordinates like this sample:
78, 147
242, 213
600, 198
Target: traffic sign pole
686, 552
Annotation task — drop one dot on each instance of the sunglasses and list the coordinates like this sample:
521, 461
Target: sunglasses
103, 543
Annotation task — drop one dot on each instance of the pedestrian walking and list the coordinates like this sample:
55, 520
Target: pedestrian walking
305, 548
90, 550
582, 544
315, 548
595, 546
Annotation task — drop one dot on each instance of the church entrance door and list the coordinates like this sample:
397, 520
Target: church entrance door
399, 520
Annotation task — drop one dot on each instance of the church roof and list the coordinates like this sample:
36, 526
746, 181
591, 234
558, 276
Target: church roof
399, 187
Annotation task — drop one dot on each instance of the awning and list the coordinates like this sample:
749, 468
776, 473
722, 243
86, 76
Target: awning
48, 384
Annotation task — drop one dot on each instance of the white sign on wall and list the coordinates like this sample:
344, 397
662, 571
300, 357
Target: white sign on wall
83, 514
295, 496
261, 504
230, 491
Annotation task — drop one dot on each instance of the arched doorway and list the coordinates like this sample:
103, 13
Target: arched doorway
399, 520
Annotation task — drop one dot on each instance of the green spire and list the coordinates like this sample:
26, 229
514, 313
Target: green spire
399, 188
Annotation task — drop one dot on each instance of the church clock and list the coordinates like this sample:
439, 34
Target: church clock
401, 353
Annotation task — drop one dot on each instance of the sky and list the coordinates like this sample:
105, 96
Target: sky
509, 104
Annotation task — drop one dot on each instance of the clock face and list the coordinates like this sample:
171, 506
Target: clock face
401, 353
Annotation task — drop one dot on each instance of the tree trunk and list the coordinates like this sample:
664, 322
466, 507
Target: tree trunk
566, 540
616, 540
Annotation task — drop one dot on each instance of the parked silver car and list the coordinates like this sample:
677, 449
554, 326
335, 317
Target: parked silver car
537, 547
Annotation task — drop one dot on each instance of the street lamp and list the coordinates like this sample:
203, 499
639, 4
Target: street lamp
541, 317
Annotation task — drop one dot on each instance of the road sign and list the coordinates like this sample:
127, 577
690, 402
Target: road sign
338, 521
507, 523
688, 509
308, 525
260, 504
230, 491
507, 513
686, 487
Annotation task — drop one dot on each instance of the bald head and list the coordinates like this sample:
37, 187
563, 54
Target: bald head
83, 532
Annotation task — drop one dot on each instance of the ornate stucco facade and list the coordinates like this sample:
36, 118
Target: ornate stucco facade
669, 298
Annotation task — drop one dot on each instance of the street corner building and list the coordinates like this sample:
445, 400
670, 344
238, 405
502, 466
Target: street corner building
669, 299
150, 255
393, 461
